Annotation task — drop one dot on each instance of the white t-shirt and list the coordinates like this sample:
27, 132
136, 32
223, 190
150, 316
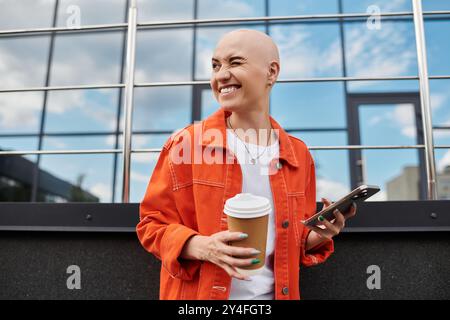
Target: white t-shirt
255, 180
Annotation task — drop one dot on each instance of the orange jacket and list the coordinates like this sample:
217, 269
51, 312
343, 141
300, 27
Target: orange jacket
186, 199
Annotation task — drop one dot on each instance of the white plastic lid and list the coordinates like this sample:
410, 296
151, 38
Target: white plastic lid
247, 205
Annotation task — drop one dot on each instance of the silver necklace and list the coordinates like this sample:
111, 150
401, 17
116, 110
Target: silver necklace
252, 159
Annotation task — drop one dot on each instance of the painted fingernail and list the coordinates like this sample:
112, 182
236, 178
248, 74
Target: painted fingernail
321, 219
255, 261
243, 235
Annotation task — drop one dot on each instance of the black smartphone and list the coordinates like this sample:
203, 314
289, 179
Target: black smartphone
343, 205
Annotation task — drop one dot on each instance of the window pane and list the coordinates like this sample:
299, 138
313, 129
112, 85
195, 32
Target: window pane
163, 108
20, 112
440, 102
332, 175
303, 105
335, 138
308, 50
164, 55
26, 14
77, 142
142, 166
20, 144
207, 39
87, 58
91, 12
23, 61
76, 178
148, 141
383, 86
435, 5
438, 46
443, 173
387, 124
384, 5
293, 8
389, 51
209, 104
395, 171
159, 10
211, 9
82, 110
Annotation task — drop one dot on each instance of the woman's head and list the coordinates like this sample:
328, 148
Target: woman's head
245, 65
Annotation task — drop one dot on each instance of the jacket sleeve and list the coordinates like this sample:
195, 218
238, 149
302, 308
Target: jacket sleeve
161, 230
321, 252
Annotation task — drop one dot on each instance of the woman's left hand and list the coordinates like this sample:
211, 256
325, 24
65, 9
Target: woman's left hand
328, 229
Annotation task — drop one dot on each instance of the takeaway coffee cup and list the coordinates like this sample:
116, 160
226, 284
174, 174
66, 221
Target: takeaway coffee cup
249, 214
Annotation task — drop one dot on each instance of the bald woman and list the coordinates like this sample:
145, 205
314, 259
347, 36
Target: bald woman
245, 66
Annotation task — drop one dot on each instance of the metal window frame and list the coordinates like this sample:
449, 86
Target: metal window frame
132, 26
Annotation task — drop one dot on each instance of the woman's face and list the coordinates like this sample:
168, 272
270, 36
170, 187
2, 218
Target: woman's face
239, 77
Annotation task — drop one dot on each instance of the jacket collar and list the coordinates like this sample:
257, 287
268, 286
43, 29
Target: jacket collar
217, 121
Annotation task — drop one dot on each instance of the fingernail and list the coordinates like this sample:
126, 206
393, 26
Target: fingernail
321, 219
243, 235
255, 261
247, 279
256, 252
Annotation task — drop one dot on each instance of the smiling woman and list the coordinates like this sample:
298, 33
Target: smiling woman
184, 200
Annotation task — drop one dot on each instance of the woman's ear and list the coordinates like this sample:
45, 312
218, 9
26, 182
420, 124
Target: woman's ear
274, 70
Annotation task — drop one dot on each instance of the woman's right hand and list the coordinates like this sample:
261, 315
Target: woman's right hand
215, 249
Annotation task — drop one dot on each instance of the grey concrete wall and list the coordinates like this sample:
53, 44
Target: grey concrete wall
114, 266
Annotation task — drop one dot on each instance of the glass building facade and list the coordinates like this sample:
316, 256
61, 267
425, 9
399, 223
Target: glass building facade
349, 76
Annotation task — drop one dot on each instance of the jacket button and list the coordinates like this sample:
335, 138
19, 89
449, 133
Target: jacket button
285, 224
285, 291
279, 165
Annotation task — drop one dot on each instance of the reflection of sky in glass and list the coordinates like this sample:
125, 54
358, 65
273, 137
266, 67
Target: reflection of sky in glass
20, 112
19, 144
166, 108
164, 55
112, 11
81, 110
360, 6
97, 170
438, 46
435, 5
440, 102
389, 51
88, 58
212, 9
291, 8
387, 124
308, 50
332, 173
308, 105
26, 14
163, 10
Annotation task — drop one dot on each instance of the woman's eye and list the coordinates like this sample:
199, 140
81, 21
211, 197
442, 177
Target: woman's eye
215, 66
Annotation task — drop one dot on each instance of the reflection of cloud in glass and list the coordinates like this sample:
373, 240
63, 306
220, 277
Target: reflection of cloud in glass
389, 51
444, 162
20, 112
210, 9
308, 50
